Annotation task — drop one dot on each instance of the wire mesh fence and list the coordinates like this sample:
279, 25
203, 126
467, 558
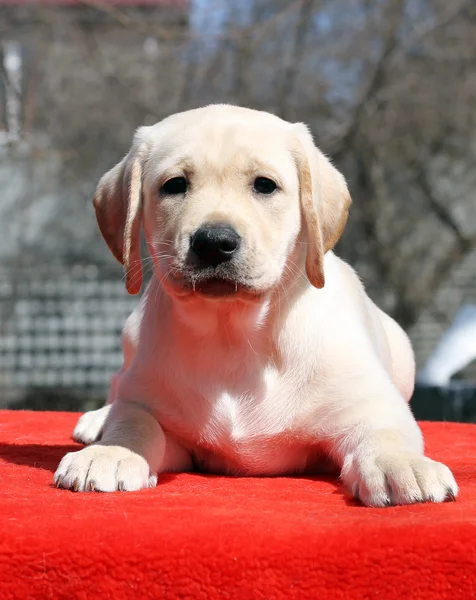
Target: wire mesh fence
60, 334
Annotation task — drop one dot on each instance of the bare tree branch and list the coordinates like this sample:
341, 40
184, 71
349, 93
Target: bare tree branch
442, 213
291, 68
375, 81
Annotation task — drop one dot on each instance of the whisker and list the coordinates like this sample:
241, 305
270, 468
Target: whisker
297, 267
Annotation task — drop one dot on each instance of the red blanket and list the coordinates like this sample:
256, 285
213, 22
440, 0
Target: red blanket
207, 537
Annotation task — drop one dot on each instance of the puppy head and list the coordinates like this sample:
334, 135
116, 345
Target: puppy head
224, 195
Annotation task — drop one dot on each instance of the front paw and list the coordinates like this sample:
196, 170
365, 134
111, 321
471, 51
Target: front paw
90, 425
104, 469
399, 478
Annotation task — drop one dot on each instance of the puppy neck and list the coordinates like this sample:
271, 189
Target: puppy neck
230, 322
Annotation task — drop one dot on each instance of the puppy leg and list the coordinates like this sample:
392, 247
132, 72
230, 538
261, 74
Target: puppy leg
128, 457
380, 448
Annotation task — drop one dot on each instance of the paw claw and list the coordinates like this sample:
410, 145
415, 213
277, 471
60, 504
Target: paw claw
450, 495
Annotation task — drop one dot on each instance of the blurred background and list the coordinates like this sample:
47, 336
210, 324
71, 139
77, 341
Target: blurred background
388, 88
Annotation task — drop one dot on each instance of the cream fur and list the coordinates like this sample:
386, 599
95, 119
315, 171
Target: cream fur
293, 374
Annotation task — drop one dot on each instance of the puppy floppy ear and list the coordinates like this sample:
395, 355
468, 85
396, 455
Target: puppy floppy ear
325, 202
118, 204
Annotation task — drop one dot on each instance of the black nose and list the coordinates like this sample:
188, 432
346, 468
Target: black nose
214, 244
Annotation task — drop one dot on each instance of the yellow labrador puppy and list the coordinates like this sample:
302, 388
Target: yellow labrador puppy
254, 350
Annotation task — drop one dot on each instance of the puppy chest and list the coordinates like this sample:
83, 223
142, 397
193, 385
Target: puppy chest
278, 454
242, 436
236, 419
245, 428
253, 457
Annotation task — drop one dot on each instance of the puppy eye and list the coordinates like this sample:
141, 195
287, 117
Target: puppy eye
174, 186
263, 185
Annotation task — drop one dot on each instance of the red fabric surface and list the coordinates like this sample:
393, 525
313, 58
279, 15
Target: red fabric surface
208, 537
